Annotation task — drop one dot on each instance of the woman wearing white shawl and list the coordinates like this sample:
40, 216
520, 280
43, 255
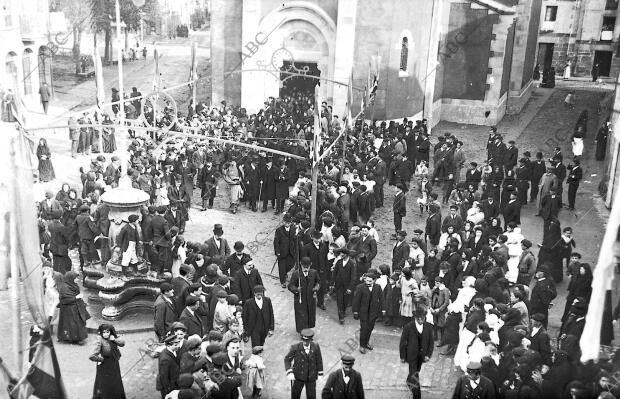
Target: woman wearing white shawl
463, 298
515, 237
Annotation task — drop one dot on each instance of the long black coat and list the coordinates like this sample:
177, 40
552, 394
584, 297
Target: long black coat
335, 387
165, 315
192, 322
414, 348
282, 179
304, 288
368, 304
542, 294
255, 317
243, 284
251, 181
268, 176
168, 374
317, 256
285, 243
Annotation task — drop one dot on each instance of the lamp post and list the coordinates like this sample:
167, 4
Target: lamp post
122, 131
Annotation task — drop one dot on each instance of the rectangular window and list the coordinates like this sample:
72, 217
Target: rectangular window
611, 4
551, 13
607, 30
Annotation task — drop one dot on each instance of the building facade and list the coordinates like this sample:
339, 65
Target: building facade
580, 34
466, 61
23, 45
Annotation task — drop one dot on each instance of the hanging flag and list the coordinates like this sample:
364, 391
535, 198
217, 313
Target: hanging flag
156, 78
317, 125
375, 79
98, 78
43, 378
349, 124
603, 276
192, 73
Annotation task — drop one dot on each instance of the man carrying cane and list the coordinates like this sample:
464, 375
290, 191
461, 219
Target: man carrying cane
304, 364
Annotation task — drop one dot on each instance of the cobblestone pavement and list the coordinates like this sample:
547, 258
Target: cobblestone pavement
384, 376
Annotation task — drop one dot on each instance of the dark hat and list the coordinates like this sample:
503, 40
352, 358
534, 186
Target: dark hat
317, 234
401, 233
218, 228
401, 186
193, 342
219, 359
579, 308
474, 366
238, 246
185, 268
344, 251
347, 359
418, 231
171, 339
259, 289
223, 280
191, 300
439, 279
165, 287
287, 218
213, 348
177, 325
527, 154
257, 349
526, 243
538, 317
455, 207
215, 335
84, 208
222, 294
133, 218
307, 333
232, 299
543, 269
101, 158
305, 261
395, 277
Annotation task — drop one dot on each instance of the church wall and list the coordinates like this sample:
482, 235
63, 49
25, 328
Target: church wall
464, 52
329, 6
380, 29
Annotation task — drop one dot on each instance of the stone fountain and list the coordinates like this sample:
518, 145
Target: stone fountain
122, 288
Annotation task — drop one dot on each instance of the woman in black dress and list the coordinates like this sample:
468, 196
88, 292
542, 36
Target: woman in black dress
108, 381
73, 313
601, 142
46, 169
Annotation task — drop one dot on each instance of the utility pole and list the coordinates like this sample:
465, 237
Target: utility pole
315, 159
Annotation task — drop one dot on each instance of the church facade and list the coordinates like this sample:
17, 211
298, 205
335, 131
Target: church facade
468, 61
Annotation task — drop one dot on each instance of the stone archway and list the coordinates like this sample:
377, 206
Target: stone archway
307, 34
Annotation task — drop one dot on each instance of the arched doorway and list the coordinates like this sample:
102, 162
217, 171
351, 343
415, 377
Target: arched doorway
27, 68
45, 65
303, 34
10, 68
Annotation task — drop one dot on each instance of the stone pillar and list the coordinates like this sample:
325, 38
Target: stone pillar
226, 19
218, 13
252, 91
345, 46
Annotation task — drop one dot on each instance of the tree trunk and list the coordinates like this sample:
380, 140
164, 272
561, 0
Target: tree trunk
77, 40
108, 42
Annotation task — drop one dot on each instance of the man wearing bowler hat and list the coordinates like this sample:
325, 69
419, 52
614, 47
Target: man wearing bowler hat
344, 383
344, 277
542, 294
317, 252
285, 247
258, 320
304, 364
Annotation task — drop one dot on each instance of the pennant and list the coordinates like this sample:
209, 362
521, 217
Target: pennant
317, 125
99, 78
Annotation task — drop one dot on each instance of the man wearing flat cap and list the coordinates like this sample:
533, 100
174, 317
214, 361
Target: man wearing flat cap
258, 319
344, 383
473, 384
169, 366
304, 364
304, 284
127, 240
543, 293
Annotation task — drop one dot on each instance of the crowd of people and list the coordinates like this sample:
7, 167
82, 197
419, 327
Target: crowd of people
468, 280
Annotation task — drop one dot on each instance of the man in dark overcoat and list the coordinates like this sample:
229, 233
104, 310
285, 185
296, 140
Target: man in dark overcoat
304, 284
251, 182
245, 280
416, 348
285, 247
165, 311
304, 364
268, 182
368, 305
317, 252
542, 293
160, 232
344, 278
258, 319
169, 366
400, 251
344, 383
